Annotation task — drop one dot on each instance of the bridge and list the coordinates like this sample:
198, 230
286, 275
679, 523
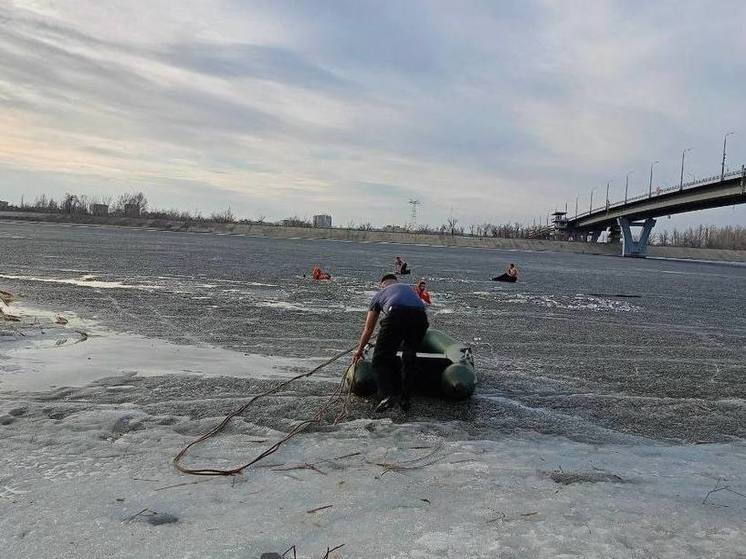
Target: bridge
619, 218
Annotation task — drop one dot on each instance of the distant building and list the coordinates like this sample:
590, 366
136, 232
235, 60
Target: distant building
100, 209
322, 221
559, 225
132, 210
3, 205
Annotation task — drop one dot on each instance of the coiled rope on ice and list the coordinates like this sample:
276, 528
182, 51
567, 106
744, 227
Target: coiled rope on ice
270, 450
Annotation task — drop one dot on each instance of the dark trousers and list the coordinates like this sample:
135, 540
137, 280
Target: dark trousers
400, 329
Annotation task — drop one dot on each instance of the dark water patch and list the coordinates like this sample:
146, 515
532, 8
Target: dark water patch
569, 478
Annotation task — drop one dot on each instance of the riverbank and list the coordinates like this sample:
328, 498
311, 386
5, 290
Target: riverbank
356, 235
284, 232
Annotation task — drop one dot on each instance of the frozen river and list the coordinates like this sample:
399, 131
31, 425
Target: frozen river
609, 420
645, 347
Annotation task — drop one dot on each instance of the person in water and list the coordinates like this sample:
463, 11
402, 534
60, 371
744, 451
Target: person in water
318, 274
400, 266
510, 275
422, 292
403, 326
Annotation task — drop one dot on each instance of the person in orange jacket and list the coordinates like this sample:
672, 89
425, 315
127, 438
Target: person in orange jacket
318, 274
422, 292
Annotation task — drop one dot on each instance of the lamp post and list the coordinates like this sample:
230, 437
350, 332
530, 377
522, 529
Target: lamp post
722, 168
681, 183
650, 186
607, 195
576, 206
591, 208
626, 185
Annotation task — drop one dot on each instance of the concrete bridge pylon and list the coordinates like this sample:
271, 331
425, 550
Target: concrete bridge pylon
630, 247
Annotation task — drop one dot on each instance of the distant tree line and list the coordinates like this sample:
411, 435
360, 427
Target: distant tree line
136, 204
82, 204
704, 236
132, 204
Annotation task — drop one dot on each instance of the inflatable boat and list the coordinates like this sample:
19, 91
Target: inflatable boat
445, 367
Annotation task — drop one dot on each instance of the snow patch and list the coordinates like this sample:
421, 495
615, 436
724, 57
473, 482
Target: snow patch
83, 281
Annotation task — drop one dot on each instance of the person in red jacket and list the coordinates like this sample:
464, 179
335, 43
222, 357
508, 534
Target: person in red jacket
318, 274
422, 292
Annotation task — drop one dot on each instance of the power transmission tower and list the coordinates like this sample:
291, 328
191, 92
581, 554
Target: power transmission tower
414, 203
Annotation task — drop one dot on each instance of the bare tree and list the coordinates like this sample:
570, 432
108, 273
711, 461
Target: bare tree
225, 216
136, 202
452, 223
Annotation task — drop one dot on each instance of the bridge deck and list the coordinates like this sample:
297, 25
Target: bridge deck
700, 195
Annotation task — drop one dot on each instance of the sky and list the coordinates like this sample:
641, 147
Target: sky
494, 112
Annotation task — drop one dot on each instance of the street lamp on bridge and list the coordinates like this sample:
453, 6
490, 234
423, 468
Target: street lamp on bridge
722, 168
607, 195
591, 208
650, 186
683, 153
626, 185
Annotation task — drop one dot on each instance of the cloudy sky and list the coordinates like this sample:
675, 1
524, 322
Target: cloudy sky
492, 111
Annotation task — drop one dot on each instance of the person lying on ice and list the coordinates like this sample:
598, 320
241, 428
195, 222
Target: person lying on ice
403, 326
510, 275
318, 274
400, 266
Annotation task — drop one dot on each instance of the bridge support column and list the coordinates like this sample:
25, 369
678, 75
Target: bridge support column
615, 234
630, 247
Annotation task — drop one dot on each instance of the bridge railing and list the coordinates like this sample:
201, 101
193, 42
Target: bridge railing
660, 191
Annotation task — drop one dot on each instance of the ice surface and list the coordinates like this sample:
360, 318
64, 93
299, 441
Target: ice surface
40, 357
87, 280
87, 473
580, 441
72, 485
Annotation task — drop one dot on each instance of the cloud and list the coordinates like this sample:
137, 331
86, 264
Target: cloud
494, 111
240, 60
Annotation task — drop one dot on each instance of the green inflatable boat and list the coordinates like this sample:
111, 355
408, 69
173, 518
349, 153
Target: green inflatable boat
445, 367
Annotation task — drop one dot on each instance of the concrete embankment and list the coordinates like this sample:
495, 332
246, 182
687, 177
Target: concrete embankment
710, 254
264, 230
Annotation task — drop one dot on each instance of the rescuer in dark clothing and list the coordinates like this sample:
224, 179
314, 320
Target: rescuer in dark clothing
402, 327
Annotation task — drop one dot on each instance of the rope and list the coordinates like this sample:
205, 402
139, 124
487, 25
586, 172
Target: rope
272, 449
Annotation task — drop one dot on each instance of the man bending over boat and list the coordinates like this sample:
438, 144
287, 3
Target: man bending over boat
403, 326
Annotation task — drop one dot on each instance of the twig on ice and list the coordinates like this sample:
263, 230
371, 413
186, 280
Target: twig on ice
317, 509
718, 488
414, 464
129, 518
300, 467
333, 549
182, 484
